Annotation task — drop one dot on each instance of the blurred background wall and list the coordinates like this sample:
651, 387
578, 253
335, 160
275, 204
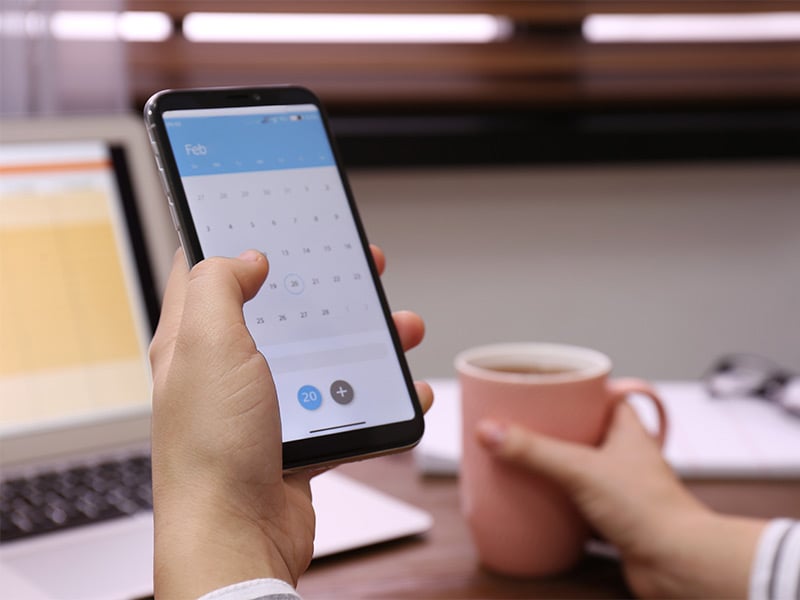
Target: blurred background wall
620, 174
663, 267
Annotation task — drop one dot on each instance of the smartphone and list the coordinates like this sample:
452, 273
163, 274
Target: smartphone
258, 168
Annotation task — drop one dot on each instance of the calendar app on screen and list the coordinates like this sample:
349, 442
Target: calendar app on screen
265, 177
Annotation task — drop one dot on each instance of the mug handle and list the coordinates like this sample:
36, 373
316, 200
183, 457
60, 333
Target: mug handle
621, 388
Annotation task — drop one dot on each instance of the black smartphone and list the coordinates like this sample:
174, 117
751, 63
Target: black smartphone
258, 168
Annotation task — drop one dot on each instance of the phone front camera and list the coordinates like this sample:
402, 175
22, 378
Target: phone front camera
256, 96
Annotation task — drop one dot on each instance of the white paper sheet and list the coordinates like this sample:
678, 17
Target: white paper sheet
707, 438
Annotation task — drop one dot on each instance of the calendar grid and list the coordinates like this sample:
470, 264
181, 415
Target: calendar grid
317, 318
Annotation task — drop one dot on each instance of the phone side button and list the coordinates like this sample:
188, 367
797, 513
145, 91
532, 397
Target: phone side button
165, 187
174, 217
180, 237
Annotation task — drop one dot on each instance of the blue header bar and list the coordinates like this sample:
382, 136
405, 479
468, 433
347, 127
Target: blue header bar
293, 138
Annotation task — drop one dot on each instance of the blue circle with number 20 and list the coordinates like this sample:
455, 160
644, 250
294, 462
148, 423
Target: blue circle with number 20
309, 397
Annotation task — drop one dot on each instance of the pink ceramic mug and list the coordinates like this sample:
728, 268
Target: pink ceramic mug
522, 524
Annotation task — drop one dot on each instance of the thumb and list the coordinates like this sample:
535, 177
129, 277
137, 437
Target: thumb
567, 463
217, 288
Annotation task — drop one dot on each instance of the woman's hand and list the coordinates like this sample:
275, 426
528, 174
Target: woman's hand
224, 512
670, 544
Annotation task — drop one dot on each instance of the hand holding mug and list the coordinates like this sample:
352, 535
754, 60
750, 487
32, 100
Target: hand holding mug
524, 524
670, 544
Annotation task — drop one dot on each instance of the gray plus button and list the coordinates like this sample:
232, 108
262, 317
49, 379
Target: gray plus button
342, 392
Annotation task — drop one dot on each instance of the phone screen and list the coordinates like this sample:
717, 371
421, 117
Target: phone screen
266, 177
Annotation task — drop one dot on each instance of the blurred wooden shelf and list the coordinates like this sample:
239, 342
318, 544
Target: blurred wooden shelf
546, 61
530, 73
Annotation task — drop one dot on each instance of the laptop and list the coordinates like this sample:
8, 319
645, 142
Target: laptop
78, 305
85, 248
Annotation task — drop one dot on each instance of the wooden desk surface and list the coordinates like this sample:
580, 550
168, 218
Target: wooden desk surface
443, 563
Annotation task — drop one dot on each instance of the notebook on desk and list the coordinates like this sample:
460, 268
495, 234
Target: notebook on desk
81, 217
734, 438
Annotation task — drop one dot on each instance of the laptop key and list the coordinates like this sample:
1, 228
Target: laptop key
57, 513
144, 495
22, 521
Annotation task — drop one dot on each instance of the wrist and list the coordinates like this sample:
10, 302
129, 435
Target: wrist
699, 554
201, 546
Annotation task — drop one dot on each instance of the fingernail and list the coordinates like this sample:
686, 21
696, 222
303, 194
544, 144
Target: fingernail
250, 255
492, 433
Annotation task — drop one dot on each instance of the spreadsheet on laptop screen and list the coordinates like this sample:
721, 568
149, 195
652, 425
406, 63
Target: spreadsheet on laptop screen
73, 328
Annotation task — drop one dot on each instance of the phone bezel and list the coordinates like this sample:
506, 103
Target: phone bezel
319, 450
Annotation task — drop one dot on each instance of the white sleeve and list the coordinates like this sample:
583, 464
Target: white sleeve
255, 589
776, 568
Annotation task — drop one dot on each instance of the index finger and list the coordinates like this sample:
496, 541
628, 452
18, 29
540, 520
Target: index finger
379, 257
171, 307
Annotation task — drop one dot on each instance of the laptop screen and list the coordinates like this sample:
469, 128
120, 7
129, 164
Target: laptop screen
74, 321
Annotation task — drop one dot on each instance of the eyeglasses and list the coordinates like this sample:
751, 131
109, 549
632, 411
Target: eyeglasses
754, 376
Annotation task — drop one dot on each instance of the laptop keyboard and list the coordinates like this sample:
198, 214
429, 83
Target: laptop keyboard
78, 496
